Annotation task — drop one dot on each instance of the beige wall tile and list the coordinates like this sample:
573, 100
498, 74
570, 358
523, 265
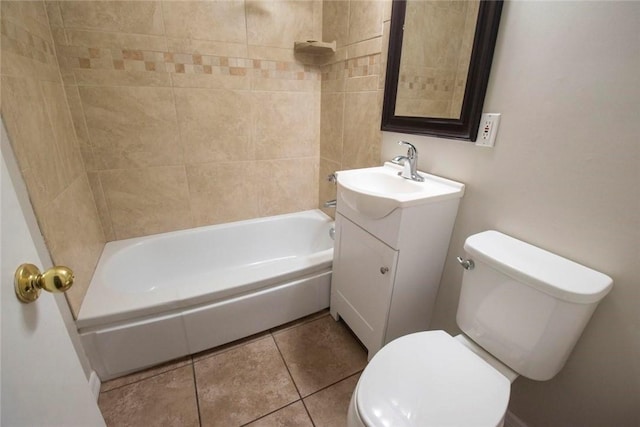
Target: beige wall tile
99, 39
287, 185
285, 124
214, 124
362, 136
331, 126
32, 137
141, 17
18, 65
132, 127
285, 54
365, 20
30, 15
59, 36
326, 189
101, 205
423, 107
211, 81
36, 112
387, 5
147, 201
74, 236
77, 116
335, 21
71, 164
280, 23
214, 20
267, 84
208, 47
384, 54
223, 192
362, 84
334, 85
54, 15
364, 48
436, 35
119, 78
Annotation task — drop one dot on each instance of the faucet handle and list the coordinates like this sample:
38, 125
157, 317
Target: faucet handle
411, 151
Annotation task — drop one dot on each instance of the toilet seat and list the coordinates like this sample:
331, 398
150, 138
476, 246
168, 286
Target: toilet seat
430, 379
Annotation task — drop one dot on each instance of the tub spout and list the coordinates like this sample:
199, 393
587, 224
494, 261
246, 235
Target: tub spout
330, 203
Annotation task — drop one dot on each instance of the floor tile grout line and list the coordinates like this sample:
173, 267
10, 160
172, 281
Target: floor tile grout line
272, 412
147, 378
285, 365
294, 382
276, 331
313, 423
332, 384
231, 346
195, 387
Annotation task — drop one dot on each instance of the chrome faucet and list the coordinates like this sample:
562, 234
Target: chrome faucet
409, 162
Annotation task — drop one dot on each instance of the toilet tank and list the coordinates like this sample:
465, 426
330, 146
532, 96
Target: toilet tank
524, 305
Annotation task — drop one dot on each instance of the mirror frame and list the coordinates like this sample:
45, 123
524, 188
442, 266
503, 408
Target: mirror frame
466, 127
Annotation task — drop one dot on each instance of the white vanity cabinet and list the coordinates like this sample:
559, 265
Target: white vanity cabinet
386, 270
364, 269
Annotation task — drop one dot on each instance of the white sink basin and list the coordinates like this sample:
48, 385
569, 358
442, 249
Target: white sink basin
378, 191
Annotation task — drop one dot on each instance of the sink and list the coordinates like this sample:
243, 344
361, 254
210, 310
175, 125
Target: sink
378, 191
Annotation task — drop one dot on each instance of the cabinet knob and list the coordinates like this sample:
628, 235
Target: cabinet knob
384, 270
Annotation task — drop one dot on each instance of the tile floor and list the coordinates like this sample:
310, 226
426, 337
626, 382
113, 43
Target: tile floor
299, 374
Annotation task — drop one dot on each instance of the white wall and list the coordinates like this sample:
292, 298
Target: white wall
564, 175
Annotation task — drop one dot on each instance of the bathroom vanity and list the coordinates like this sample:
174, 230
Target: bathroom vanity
392, 237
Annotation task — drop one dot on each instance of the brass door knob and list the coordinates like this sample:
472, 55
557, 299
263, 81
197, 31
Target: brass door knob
28, 281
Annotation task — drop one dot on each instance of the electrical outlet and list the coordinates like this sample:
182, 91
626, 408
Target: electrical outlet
488, 129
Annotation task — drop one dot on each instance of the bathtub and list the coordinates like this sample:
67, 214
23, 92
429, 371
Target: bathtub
156, 298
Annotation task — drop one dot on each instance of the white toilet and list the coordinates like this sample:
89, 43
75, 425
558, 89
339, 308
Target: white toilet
521, 309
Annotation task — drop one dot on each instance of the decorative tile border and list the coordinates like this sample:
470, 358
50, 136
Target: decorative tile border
427, 83
356, 67
185, 63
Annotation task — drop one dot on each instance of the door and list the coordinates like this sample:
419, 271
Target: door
42, 381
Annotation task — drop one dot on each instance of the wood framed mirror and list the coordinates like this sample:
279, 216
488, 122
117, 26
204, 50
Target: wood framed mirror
438, 66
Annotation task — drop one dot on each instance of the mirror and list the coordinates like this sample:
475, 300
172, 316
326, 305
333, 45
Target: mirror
438, 66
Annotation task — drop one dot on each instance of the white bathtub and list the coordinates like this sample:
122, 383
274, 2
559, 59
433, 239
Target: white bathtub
159, 297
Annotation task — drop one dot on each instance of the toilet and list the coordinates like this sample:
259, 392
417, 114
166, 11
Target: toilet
521, 311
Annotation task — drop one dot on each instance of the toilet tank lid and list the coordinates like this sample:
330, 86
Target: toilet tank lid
541, 269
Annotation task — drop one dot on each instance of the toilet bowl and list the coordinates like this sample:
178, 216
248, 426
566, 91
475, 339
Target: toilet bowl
521, 311
429, 379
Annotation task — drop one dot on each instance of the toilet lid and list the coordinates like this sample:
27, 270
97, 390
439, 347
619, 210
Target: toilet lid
430, 379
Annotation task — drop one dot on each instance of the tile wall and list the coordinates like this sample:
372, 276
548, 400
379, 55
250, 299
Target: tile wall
192, 113
352, 88
36, 114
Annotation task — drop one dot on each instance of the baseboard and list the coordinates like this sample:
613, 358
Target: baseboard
510, 420
94, 384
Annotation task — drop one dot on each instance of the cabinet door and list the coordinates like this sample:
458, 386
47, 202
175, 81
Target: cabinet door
363, 275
